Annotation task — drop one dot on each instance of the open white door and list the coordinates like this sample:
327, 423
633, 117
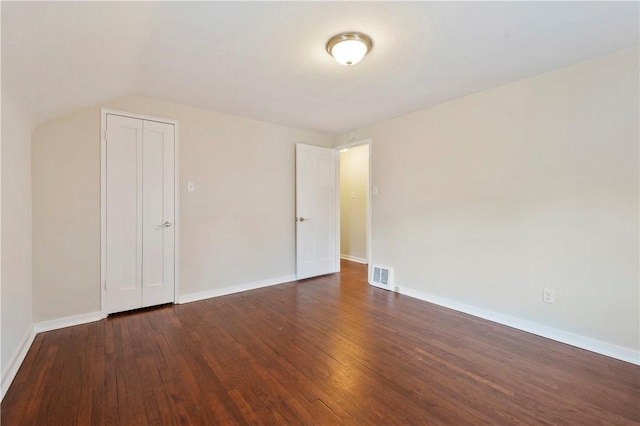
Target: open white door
316, 213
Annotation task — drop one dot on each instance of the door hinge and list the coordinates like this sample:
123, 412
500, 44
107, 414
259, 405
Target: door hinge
105, 135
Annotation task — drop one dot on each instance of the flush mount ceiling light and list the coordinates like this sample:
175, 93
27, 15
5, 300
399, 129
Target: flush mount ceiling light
349, 48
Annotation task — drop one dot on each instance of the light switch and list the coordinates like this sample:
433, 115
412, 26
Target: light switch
375, 189
191, 186
353, 195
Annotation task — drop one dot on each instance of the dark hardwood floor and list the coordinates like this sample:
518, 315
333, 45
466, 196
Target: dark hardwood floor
330, 350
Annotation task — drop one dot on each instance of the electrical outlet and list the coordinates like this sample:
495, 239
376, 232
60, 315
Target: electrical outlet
549, 295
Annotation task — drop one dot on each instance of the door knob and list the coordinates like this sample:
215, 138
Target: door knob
164, 225
302, 219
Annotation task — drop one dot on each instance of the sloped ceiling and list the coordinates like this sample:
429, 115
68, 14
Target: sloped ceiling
267, 60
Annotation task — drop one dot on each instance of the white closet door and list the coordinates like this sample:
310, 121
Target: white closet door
158, 213
140, 213
123, 214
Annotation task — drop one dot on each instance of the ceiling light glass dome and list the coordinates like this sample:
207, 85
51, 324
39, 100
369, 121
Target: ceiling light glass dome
349, 48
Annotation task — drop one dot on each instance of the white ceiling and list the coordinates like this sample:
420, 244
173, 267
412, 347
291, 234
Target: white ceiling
267, 61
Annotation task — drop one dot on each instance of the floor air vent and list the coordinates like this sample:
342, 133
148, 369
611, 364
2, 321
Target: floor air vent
382, 277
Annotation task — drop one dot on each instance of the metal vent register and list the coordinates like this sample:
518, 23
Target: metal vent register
382, 277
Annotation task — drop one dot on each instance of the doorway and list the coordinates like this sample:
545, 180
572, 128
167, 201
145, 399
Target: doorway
355, 201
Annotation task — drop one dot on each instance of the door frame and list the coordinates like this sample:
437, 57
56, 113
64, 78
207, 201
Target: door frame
103, 199
369, 143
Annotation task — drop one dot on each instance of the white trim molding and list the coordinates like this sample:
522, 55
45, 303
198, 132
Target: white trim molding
216, 292
353, 258
67, 322
16, 361
579, 341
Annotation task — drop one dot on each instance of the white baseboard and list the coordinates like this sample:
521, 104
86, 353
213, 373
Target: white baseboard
353, 258
583, 342
216, 292
67, 322
16, 361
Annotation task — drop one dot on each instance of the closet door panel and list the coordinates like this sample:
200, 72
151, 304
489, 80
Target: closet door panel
123, 213
158, 213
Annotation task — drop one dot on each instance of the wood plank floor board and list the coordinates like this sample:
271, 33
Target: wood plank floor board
322, 351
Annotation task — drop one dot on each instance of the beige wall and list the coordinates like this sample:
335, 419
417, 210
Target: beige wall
236, 228
488, 199
354, 176
483, 200
66, 216
16, 230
